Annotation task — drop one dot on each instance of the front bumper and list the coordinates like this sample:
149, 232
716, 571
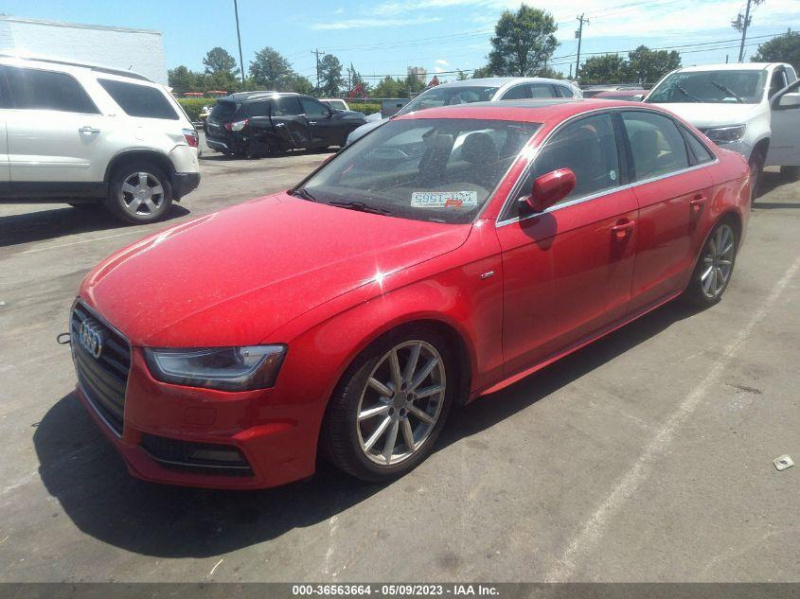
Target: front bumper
184, 183
277, 440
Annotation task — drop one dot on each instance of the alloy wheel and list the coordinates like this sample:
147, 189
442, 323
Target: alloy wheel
718, 261
142, 194
401, 402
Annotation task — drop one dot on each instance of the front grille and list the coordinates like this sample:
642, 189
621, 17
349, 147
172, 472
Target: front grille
102, 362
196, 458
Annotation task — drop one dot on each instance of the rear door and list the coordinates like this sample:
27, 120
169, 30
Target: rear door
567, 271
55, 132
674, 191
289, 122
784, 146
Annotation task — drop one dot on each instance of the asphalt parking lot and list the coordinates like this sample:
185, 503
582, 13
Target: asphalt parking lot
645, 457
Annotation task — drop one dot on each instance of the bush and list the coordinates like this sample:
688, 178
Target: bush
193, 106
365, 107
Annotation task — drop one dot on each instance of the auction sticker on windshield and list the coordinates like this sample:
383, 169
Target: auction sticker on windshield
444, 199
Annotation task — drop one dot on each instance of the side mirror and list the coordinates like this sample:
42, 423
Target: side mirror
551, 188
789, 100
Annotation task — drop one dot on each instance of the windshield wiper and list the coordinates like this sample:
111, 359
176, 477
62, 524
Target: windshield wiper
362, 207
302, 192
687, 94
727, 90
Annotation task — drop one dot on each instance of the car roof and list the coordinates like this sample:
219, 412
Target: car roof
500, 81
533, 111
735, 66
44, 62
257, 95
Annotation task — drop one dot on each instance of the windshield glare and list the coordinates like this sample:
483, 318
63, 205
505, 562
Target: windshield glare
729, 87
447, 96
441, 170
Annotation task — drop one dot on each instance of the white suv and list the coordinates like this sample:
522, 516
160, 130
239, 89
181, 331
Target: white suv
89, 135
751, 108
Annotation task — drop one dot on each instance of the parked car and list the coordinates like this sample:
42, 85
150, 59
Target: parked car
592, 91
444, 257
253, 123
632, 95
92, 136
479, 90
335, 103
751, 108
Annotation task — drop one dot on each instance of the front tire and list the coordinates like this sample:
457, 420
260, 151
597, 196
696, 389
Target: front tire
390, 406
756, 164
714, 267
140, 193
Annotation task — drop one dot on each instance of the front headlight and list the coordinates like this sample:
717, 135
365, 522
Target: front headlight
726, 135
225, 368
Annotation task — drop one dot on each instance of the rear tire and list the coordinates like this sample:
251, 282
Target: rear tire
385, 415
140, 192
715, 265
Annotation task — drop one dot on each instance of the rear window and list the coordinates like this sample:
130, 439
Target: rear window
140, 100
223, 111
32, 89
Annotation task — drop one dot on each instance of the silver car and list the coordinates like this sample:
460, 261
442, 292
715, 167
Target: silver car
491, 89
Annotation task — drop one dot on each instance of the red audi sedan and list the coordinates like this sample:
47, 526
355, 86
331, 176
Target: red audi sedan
442, 257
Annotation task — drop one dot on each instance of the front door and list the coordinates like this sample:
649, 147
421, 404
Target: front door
325, 130
55, 132
784, 145
567, 271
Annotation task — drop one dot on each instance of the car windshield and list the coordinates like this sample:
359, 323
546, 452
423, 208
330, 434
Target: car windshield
730, 87
447, 96
441, 170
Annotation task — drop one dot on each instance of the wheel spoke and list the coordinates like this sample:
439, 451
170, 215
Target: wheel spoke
423, 374
135, 203
394, 366
378, 433
724, 262
712, 246
150, 205
128, 188
380, 387
420, 414
391, 441
411, 365
728, 249
720, 278
428, 391
408, 436
157, 190
143, 180
372, 412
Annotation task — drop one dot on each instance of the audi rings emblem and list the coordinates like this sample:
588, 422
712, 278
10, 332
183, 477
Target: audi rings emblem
90, 336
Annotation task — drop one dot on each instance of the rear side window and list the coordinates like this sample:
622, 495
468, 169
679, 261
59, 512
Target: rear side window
140, 100
287, 106
32, 89
657, 146
518, 93
542, 91
701, 153
258, 108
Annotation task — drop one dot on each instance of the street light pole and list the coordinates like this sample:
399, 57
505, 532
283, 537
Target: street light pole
239, 37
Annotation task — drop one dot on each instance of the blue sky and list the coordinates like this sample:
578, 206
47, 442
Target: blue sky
385, 36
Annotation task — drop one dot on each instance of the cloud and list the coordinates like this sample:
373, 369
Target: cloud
372, 22
442, 62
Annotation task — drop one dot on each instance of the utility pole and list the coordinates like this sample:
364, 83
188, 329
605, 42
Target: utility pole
316, 53
239, 36
744, 29
579, 35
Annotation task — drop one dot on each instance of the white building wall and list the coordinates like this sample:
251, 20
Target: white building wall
138, 50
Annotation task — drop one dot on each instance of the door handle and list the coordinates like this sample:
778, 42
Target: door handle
697, 203
87, 130
312, 123
622, 230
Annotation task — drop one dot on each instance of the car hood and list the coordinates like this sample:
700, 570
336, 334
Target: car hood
357, 134
236, 276
705, 115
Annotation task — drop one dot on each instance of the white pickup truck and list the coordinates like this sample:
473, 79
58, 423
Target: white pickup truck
752, 108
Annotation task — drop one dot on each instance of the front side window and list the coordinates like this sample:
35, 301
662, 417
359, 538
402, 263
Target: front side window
140, 100
449, 96
588, 147
723, 87
314, 109
32, 89
657, 145
441, 170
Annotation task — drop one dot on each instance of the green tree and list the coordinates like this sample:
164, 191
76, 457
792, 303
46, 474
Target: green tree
461, 75
388, 88
482, 72
219, 82
606, 68
354, 79
299, 84
182, 80
522, 42
550, 73
219, 60
785, 48
271, 70
648, 66
412, 85
330, 75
